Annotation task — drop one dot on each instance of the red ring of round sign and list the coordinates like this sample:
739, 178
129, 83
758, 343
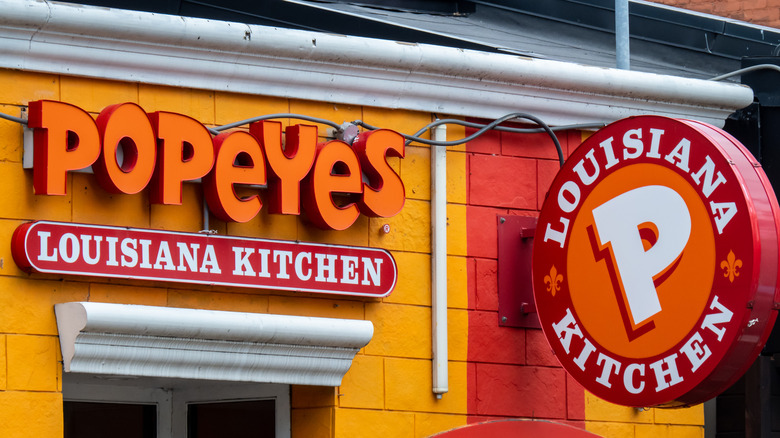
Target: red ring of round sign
655, 262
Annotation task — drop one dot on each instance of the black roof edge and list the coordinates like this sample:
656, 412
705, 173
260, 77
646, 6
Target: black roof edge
657, 23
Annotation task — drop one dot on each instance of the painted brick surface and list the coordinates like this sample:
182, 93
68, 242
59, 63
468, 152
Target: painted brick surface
3, 361
575, 400
232, 107
537, 350
414, 279
360, 388
521, 391
231, 302
264, 225
198, 104
28, 87
426, 424
416, 172
495, 344
457, 282
538, 145
368, 423
325, 110
32, 363
406, 122
486, 283
408, 387
611, 430
410, 230
186, 217
456, 229
456, 177
399, 330
457, 325
12, 149
30, 414
494, 371
666, 431
504, 182
27, 305
94, 95
546, 171
357, 234
126, 294
312, 422
693, 415
320, 307
482, 231
19, 202
488, 143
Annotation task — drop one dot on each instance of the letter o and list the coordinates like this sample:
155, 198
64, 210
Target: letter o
73, 255
125, 128
564, 204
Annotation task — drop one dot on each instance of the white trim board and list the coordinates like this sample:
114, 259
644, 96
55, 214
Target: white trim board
131, 340
95, 42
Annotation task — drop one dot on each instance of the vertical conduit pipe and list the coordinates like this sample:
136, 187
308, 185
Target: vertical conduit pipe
622, 45
439, 262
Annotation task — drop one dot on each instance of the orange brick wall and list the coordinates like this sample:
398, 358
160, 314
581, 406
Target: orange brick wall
763, 12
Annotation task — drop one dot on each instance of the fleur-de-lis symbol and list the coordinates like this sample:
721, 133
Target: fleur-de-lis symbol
553, 281
731, 266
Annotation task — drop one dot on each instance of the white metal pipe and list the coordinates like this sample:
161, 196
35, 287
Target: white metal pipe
135, 46
622, 35
439, 262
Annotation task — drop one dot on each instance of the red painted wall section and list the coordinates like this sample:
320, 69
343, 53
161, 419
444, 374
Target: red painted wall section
511, 371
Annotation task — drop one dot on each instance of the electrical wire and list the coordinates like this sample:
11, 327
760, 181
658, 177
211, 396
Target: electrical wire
543, 127
746, 70
217, 129
481, 128
13, 119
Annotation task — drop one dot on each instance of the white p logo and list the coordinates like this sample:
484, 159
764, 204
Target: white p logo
618, 223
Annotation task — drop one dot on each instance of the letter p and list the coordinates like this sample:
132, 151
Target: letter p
619, 223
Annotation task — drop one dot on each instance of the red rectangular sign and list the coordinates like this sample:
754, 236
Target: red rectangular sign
79, 249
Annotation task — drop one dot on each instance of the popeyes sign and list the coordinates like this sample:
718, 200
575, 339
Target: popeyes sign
655, 265
115, 252
161, 150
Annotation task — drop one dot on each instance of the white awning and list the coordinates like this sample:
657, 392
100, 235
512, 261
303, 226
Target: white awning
131, 340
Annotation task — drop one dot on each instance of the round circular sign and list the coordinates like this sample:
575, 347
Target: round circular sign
655, 262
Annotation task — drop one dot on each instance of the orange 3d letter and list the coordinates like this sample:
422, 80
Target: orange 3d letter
288, 165
185, 152
129, 149
384, 193
336, 171
65, 138
239, 161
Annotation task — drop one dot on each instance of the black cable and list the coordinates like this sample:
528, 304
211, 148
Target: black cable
543, 127
482, 128
13, 119
217, 129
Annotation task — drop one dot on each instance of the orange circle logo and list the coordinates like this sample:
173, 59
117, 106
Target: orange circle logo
635, 211
646, 256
